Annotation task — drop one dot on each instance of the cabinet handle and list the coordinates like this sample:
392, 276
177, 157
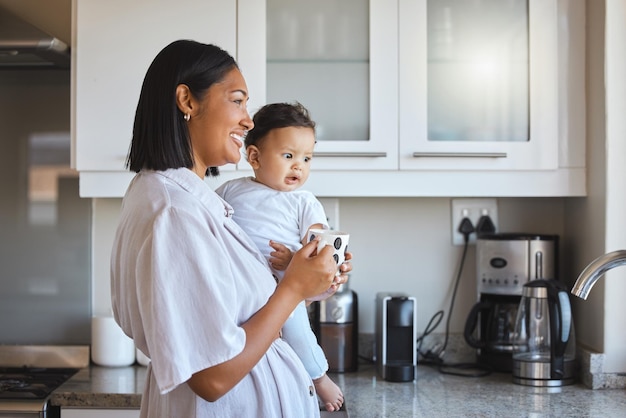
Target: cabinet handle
349, 154
461, 154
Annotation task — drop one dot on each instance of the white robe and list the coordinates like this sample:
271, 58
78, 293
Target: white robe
184, 277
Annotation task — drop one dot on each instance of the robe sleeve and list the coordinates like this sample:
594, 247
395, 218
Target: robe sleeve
186, 297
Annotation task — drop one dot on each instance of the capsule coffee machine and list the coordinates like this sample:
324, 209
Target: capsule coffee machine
396, 336
505, 262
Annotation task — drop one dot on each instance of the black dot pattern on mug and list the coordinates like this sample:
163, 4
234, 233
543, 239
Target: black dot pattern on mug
337, 243
336, 257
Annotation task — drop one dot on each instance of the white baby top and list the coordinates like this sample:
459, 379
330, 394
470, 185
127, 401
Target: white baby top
265, 212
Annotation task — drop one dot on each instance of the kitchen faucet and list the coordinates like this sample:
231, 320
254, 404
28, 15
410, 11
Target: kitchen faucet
595, 270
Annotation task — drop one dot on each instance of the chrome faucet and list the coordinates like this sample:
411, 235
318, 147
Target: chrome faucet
595, 270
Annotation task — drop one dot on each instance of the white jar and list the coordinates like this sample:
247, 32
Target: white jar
142, 359
109, 345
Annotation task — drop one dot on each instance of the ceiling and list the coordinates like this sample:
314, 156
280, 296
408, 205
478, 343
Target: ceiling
51, 16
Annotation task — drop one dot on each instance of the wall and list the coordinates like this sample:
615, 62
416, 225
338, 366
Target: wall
614, 337
597, 223
399, 244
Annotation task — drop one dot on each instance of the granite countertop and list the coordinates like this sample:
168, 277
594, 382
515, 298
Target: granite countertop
432, 394
102, 387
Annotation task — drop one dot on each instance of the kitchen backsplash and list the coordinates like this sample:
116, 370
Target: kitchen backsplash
45, 286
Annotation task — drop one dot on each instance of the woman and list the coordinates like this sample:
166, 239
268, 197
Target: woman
188, 285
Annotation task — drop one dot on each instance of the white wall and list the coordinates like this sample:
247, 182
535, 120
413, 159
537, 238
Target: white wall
614, 337
586, 217
597, 223
399, 244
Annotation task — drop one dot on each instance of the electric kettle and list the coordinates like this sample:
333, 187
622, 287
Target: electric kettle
544, 352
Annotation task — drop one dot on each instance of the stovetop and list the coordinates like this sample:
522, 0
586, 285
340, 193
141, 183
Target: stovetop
30, 373
31, 383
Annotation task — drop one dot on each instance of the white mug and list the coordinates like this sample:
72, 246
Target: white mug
337, 239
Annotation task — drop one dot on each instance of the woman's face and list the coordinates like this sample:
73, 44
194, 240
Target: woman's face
219, 122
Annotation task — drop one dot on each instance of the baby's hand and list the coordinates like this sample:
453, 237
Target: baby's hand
281, 257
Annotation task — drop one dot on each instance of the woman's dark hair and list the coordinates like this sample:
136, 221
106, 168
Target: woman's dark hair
160, 134
278, 115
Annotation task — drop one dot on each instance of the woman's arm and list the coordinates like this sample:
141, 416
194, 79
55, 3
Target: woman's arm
306, 276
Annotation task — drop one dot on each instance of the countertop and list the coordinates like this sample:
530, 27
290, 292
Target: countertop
432, 394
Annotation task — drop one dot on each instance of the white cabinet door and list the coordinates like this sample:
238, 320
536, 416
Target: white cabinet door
99, 413
114, 43
339, 58
479, 89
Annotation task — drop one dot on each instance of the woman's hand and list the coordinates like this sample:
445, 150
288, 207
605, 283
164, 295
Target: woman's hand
310, 273
280, 257
344, 269
340, 279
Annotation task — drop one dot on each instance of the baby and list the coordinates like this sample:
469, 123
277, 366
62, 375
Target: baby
277, 215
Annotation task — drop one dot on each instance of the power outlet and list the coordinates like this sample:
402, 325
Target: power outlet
331, 207
472, 209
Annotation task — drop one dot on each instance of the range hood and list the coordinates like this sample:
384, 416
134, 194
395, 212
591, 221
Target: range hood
22, 45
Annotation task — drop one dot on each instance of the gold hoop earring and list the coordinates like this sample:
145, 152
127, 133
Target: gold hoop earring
187, 117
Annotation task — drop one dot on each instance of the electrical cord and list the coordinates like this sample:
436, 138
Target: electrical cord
431, 358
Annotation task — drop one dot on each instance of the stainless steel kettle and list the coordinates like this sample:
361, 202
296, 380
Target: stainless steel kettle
544, 351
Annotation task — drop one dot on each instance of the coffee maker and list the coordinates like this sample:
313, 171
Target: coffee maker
505, 262
396, 336
335, 322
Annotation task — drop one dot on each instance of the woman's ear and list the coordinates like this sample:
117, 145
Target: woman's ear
253, 156
183, 99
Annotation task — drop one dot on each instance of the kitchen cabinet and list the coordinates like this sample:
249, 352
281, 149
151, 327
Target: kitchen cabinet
99, 413
491, 85
533, 147
113, 44
362, 68
477, 82
481, 105
112, 52
338, 59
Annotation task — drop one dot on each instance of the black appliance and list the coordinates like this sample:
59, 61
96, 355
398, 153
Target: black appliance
29, 375
505, 262
396, 336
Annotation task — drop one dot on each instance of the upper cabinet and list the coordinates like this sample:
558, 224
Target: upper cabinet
338, 58
480, 84
410, 97
113, 44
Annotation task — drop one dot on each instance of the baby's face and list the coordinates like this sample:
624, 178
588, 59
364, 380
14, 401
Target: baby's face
284, 158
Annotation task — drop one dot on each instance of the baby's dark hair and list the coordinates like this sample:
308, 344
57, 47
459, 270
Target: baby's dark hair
278, 115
